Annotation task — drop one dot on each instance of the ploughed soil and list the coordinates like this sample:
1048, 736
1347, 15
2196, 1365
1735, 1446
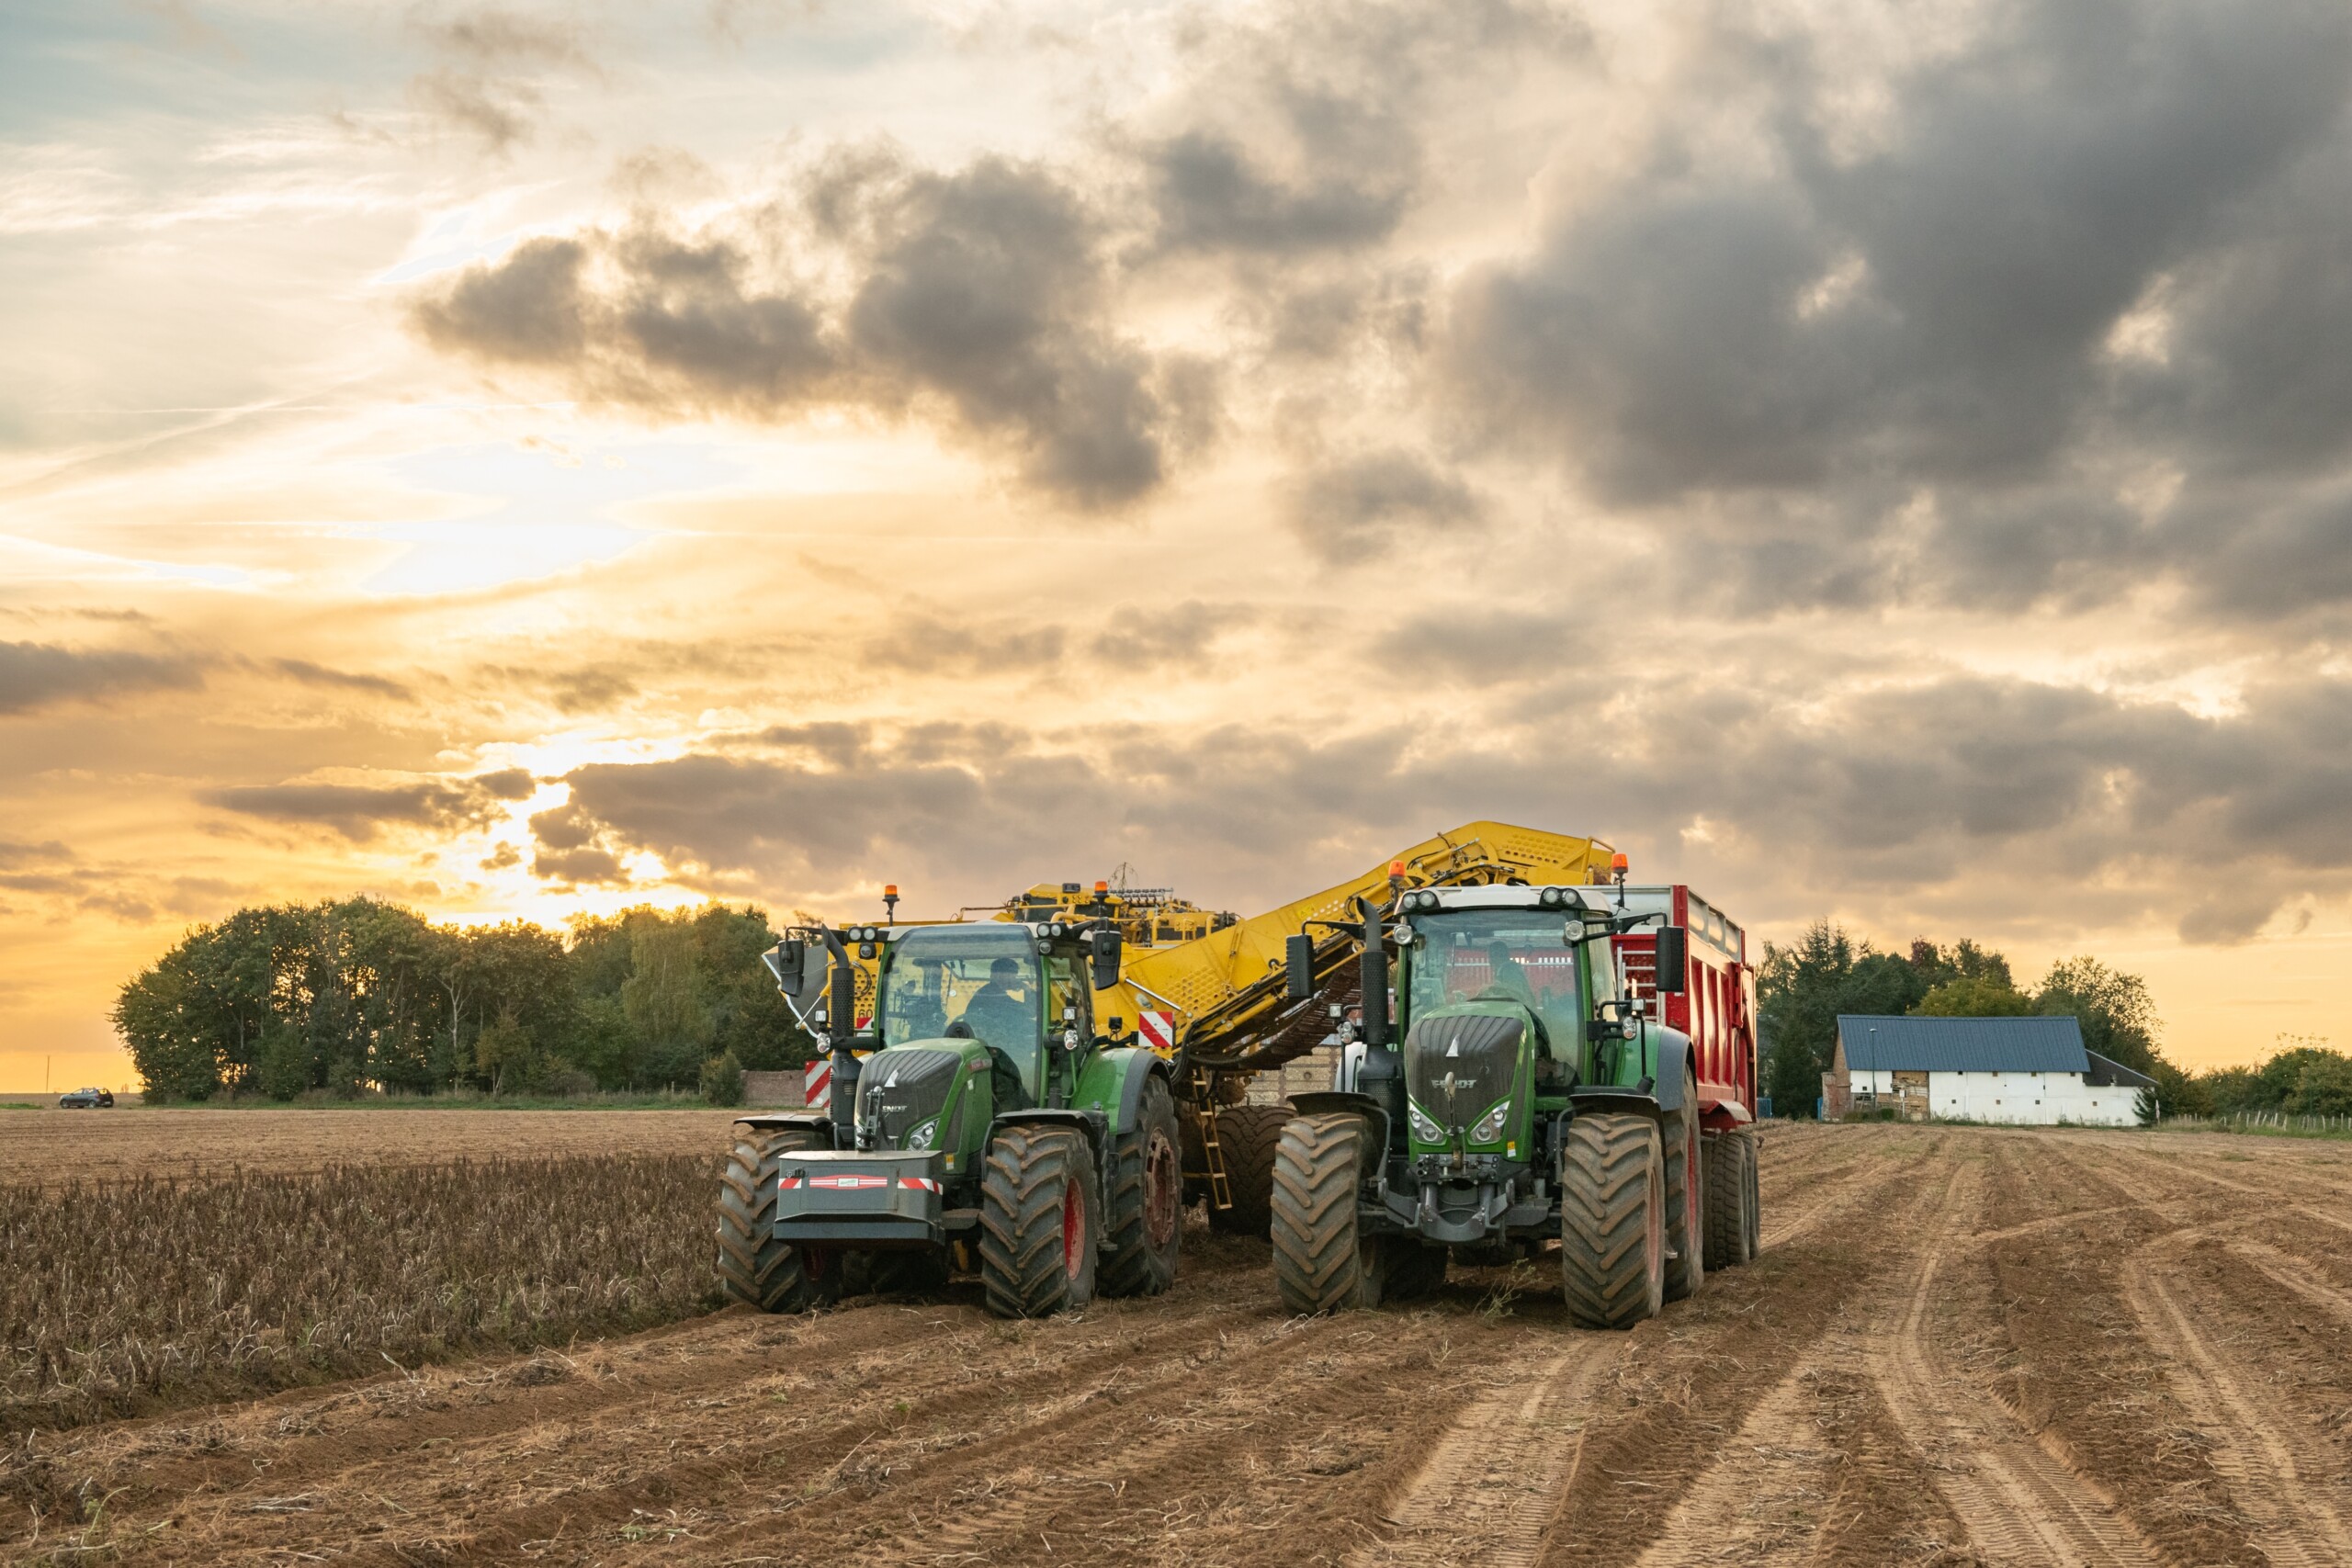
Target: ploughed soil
1959, 1345
135, 1141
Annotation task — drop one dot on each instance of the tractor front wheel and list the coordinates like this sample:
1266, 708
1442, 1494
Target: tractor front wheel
755, 1269
1612, 1220
1038, 1223
1146, 1206
1322, 1261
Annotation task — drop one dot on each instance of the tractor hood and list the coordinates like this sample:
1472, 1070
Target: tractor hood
915, 1095
1461, 1061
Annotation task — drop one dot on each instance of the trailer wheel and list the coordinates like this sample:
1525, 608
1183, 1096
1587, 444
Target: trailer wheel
1755, 1218
1146, 1207
1038, 1223
1612, 1220
1247, 1134
755, 1269
1731, 1185
1322, 1262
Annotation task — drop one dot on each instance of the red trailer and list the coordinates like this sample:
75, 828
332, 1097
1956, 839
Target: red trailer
1717, 1005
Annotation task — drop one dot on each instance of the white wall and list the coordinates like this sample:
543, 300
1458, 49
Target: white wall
2039, 1097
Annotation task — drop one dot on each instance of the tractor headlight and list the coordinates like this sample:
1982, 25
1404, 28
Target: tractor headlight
1425, 1129
921, 1138
1490, 1125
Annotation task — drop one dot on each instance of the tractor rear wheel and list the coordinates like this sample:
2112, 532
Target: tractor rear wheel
1145, 1213
1322, 1261
1731, 1184
1686, 1214
1612, 1220
1037, 1222
755, 1269
1246, 1134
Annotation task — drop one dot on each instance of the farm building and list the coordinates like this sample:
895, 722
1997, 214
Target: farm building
1982, 1070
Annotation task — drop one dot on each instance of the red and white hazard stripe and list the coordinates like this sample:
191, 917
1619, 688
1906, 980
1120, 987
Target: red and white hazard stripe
849, 1184
787, 1183
925, 1182
817, 1084
1158, 1029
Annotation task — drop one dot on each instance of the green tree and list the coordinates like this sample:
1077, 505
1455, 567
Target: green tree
662, 998
2322, 1087
1978, 996
2117, 1014
722, 1079
506, 1055
1798, 992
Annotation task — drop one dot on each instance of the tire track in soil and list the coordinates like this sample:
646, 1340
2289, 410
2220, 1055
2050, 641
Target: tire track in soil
2017, 1503
1678, 1396
2277, 1472
1764, 1497
1487, 1488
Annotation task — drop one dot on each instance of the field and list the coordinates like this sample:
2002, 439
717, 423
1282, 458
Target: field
1963, 1345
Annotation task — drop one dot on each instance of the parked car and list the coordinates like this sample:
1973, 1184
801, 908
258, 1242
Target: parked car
86, 1099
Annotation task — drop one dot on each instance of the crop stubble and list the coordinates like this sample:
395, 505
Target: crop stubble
1962, 1346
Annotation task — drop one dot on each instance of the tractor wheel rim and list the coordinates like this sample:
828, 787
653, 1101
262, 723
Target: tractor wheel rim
1073, 1229
1162, 1199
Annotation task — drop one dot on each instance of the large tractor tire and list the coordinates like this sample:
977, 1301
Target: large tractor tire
1145, 1213
1322, 1263
1686, 1212
753, 1267
1612, 1220
1246, 1134
1037, 1222
1731, 1186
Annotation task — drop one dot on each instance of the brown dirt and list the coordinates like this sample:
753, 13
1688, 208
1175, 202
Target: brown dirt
1962, 1346
132, 1141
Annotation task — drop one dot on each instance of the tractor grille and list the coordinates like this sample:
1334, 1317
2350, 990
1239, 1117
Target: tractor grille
901, 1090
1455, 1068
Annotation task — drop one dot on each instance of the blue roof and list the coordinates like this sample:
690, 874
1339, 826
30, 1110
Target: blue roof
1963, 1044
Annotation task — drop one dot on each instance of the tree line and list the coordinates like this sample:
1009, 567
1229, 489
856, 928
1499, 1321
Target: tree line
357, 994
1802, 988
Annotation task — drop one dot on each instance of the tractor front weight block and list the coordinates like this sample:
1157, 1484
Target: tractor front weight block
880, 1201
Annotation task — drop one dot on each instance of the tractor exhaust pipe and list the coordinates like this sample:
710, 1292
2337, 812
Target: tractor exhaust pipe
841, 1028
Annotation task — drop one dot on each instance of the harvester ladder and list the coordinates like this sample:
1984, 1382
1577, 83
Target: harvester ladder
1220, 1189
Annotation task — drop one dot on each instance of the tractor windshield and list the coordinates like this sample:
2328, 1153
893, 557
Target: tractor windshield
1461, 955
984, 979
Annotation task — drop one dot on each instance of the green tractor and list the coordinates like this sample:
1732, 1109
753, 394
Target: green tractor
1520, 1098
978, 1121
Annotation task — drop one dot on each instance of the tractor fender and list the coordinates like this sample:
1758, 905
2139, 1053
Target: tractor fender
1141, 1071
1093, 1123
1339, 1101
1669, 1065
815, 1122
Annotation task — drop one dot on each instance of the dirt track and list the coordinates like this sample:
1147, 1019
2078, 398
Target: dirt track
1960, 1345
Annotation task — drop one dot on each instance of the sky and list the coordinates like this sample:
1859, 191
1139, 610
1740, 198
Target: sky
1886, 463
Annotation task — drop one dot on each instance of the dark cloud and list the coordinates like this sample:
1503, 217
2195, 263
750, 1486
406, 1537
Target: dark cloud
361, 811
982, 293
1209, 195
572, 849
587, 866
34, 675
311, 674
1359, 507
1912, 352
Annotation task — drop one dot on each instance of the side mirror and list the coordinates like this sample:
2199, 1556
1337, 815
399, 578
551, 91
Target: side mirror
1299, 952
1103, 953
787, 961
1673, 972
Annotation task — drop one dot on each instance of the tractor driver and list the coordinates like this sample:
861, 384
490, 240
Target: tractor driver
1506, 978
994, 1014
